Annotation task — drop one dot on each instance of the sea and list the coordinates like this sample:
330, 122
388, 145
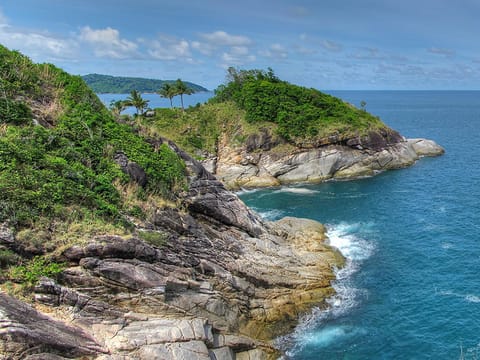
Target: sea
411, 286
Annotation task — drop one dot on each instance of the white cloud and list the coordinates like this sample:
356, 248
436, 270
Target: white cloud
367, 53
313, 42
238, 55
302, 50
3, 19
441, 51
107, 43
331, 46
221, 38
204, 48
232, 49
40, 45
275, 51
169, 48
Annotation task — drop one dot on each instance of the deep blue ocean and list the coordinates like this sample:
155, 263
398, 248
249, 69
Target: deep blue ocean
411, 288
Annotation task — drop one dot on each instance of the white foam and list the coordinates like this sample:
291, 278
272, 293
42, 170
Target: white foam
472, 298
467, 297
296, 190
447, 245
344, 238
246, 191
330, 334
272, 214
347, 238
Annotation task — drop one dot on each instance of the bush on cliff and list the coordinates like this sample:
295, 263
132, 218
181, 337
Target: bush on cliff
303, 116
57, 149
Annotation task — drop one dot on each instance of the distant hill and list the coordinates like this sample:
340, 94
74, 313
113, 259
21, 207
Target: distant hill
122, 85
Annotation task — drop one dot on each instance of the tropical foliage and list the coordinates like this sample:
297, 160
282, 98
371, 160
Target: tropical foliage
303, 116
135, 99
182, 89
167, 91
67, 166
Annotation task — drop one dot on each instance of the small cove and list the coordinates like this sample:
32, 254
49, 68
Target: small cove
411, 289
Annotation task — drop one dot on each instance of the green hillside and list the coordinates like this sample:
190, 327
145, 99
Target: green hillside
123, 85
255, 101
59, 178
303, 116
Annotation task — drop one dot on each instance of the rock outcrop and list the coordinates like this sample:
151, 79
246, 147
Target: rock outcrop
258, 164
220, 285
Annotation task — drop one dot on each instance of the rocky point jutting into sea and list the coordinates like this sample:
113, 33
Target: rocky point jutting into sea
117, 244
258, 163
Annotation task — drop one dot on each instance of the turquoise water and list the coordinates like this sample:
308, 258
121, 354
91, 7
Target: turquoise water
411, 289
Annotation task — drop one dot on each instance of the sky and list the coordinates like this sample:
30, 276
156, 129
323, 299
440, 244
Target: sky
325, 44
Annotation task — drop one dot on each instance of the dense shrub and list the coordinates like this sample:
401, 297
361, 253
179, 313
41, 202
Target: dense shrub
43, 170
300, 113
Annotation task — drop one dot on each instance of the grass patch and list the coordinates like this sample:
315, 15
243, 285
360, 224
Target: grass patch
155, 238
31, 271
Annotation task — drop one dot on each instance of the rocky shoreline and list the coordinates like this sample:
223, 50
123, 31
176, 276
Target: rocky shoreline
222, 285
223, 282
239, 168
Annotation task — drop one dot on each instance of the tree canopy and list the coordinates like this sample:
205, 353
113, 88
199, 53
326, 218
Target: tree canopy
301, 114
135, 99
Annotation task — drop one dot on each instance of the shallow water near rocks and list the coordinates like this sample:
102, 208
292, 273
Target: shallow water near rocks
411, 287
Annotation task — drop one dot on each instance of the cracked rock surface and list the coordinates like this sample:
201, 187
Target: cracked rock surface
222, 286
244, 166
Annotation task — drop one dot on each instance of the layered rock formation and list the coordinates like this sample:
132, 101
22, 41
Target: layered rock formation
220, 285
261, 162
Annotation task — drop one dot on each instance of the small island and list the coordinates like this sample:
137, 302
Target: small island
124, 85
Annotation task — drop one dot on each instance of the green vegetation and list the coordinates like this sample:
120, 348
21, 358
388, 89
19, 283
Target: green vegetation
195, 130
124, 85
34, 269
182, 89
63, 170
135, 99
303, 116
154, 238
254, 101
167, 91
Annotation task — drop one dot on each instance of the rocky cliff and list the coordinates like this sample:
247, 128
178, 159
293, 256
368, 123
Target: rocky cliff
220, 285
264, 161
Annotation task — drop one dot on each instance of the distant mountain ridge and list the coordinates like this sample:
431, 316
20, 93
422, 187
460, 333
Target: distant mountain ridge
121, 85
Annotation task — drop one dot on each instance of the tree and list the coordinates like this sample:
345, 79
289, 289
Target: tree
167, 91
135, 99
182, 89
363, 103
116, 107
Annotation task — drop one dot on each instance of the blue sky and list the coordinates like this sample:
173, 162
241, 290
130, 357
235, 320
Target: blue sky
326, 44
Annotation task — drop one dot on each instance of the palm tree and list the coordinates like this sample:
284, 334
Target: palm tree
167, 91
182, 89
135, 99
116, 107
